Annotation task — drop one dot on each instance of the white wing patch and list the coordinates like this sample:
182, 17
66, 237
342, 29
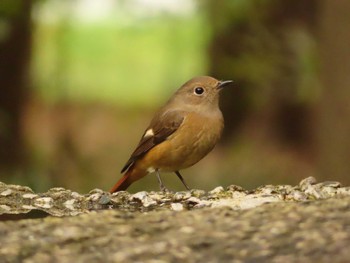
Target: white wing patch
149, 133
151, 169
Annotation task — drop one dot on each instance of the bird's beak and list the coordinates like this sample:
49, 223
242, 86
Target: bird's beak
224, 83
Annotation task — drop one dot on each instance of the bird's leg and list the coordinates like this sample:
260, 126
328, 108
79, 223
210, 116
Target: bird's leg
161, 185
182, 180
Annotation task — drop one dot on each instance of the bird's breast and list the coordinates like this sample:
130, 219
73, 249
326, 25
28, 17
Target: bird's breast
194, 139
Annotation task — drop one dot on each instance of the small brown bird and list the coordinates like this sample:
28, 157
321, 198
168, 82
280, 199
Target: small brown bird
180, 134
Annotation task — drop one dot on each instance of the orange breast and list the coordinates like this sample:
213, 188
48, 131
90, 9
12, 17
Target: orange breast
195, 138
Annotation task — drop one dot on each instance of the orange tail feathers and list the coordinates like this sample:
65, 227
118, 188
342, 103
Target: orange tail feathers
128, 178
122, 184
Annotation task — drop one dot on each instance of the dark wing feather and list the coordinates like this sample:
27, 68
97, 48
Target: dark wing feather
163, 125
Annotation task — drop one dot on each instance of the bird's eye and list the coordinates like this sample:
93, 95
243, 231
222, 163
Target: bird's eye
198, 91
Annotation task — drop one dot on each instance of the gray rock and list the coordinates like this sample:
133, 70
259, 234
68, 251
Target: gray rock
314, 231
309, 222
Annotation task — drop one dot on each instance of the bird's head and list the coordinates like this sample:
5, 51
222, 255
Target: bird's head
200, 93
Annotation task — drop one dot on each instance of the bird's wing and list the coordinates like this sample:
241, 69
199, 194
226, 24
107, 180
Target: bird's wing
161, 127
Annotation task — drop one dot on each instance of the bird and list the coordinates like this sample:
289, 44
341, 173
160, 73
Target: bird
180, 134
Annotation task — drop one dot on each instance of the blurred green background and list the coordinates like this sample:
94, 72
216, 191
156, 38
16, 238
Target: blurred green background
80, 80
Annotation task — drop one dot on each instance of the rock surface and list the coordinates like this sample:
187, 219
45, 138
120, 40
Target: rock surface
305, 223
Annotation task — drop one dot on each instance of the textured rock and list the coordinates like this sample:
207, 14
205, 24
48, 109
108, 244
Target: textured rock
309, 222
314, 231
61, 202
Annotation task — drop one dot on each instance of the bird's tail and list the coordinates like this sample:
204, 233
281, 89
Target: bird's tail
128, 178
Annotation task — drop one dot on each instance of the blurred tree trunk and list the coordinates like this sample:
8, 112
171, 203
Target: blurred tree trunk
15, 49
256, 43
334, 107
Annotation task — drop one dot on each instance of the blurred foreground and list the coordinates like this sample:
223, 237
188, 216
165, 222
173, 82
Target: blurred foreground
261, 225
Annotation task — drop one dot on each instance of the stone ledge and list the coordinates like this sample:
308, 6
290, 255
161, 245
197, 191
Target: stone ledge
314, 231
309, 222
16, 199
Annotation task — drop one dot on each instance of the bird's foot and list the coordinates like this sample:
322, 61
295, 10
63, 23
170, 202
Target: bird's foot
164, 189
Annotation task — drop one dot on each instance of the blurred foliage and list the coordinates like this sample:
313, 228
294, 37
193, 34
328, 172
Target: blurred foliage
15, 53
271, 50
10, 8
117, 63
259, 40
96, 81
